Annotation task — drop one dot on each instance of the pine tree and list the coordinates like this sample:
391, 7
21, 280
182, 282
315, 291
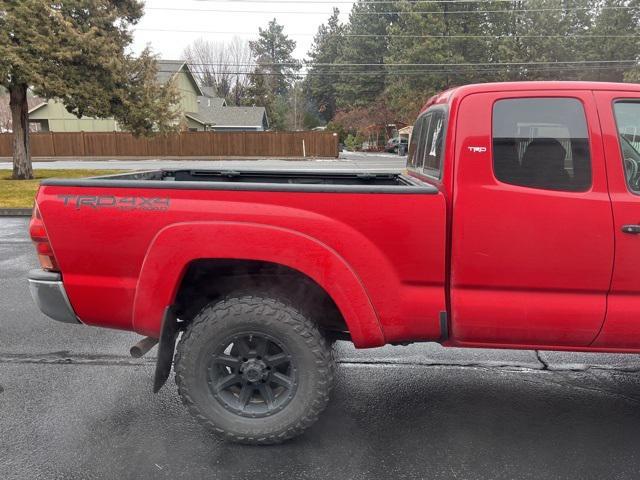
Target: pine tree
275, 72
274, 55
366, 44
75, 51
320, 84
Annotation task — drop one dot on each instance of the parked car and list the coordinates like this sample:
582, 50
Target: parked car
258, 271
395, 144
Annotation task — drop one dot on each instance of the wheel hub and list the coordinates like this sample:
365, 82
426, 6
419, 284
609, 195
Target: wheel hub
254, 370
252, 374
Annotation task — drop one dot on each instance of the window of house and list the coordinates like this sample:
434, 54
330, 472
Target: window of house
541, 143
627, 115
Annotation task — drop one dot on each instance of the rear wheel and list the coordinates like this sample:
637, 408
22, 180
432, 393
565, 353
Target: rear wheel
254, 369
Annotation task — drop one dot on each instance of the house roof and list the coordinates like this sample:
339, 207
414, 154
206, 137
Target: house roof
241, 116
167, 69
231, 116
208, 102
37, 107
196, 117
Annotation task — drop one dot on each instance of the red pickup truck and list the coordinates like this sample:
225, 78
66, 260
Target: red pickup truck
516, 225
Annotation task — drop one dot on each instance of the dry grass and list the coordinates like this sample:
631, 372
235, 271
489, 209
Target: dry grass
20, 193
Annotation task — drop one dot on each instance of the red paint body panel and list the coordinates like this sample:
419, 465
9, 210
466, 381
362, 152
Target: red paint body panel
514, 267
384, 268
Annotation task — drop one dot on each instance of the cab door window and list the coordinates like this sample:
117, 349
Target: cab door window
541, 143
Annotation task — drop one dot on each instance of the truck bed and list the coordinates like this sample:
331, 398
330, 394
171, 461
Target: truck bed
322, 181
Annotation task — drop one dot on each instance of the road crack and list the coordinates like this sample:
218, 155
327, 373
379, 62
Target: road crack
545, 365
488, 366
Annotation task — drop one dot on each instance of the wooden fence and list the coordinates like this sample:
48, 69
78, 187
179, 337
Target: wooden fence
185, 144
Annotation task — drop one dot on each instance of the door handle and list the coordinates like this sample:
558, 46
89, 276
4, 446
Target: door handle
634, 229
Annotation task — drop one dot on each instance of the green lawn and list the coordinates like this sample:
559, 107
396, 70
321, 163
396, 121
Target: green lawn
20, 193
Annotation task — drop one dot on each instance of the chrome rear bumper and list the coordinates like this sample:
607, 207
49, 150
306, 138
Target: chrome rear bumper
49, 294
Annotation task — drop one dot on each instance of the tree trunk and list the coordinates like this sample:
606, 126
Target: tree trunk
20, 124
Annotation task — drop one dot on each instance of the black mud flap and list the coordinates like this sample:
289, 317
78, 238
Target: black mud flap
166, 348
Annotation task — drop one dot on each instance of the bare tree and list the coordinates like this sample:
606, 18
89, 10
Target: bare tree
241, 56
220, 65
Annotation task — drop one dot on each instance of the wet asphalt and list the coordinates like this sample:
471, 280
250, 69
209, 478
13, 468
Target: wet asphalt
73, 405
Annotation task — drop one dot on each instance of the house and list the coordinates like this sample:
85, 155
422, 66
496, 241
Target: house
203, 111
52, 116
215, 115
406, 132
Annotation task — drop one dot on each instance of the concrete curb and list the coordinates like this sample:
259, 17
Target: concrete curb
15, 212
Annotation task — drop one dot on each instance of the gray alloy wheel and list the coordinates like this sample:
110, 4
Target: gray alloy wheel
254, 369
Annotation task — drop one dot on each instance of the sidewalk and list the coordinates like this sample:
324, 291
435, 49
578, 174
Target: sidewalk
173, 158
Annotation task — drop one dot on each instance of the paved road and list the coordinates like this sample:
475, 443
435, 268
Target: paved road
347, 161
74, 406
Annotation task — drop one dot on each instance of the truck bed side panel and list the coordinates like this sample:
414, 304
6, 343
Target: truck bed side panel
394, 243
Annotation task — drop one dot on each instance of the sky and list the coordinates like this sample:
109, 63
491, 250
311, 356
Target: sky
163, 21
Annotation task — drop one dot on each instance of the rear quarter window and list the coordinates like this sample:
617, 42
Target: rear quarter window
427, 142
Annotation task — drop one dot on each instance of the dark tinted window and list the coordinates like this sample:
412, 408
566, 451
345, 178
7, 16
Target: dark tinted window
628, 121
432, 163
541, 143
425, 150
415, 148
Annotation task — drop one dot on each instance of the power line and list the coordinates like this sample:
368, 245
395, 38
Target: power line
218, 10
382, 35
404, 12
461, 64
485, 69
518, 11
423, 72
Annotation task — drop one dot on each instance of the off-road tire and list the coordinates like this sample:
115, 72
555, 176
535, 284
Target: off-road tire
271, 315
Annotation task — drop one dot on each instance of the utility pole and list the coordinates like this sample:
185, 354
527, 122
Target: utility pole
295, 106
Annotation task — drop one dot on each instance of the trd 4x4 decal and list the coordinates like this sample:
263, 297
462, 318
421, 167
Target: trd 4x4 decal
120, 203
